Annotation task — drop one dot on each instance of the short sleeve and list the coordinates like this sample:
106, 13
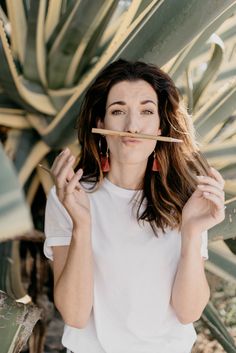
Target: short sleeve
204, 246
57, 224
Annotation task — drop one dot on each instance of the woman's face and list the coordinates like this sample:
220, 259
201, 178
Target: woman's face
131, 106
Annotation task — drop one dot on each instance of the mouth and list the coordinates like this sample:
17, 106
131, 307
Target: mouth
131, 141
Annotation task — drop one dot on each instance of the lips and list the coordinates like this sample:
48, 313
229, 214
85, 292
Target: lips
130, 140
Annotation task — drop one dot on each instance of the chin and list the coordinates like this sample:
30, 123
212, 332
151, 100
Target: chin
131, 160
131, 156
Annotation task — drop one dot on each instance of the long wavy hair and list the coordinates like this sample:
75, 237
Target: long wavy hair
165, 191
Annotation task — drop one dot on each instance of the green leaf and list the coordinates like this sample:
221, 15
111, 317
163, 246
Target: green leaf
17, 18
227, 228
228, 170
15, 88
218, 329
215, 111
226, 130
13, 118
69, 38
53, 17
212, 68
15, 216
34, 60
216, 152
90, 41
163, 35
197, 45
10, 270
221, 261
37, 153
4, 18
17, 321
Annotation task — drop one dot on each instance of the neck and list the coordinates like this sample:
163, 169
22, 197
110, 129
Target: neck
127, 176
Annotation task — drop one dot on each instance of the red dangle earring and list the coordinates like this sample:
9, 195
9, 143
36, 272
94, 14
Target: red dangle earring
104, 159
155, 166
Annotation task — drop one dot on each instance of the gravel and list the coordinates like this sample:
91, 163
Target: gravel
223, 296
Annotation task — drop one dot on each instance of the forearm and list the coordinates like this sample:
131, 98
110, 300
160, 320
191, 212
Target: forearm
73, 292
190, 291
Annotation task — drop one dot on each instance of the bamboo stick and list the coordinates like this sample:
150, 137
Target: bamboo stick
130, 134
50, 172
45, 168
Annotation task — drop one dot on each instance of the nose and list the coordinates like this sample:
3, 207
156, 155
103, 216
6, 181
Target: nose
132, 124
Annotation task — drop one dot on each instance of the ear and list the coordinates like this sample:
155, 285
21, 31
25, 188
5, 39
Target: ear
159, 132
100, 124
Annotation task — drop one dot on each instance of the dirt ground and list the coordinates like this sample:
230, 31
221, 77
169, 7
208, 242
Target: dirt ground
223, 295
53, 338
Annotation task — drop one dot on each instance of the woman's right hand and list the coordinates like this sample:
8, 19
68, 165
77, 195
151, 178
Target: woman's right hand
69, 190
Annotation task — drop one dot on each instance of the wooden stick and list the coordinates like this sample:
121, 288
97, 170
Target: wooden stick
45, 168
230, 200
130, 134
49, 171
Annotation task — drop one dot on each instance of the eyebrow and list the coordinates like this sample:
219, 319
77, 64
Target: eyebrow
123, 103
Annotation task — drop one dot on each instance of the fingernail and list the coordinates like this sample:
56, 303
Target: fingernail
80, 171
71, 159
64, 151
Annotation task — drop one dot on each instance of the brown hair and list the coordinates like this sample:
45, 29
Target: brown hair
166, 191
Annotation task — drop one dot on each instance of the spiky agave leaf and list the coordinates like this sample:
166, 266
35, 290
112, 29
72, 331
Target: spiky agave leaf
15, 216
17, 321
218, 329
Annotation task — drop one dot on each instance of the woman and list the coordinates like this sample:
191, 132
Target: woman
127, 231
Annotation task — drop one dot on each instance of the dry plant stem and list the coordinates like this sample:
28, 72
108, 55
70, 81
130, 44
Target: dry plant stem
45, 168
129, 134
49, 171
230, 200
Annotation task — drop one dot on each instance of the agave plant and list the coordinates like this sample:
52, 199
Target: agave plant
17, 322
50, 51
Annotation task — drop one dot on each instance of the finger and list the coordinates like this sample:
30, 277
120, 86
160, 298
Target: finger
216, 200
212, 189
71, 172
63, 152
203, 179
70, 175
74, 183
217, 175
60, 160
62, 176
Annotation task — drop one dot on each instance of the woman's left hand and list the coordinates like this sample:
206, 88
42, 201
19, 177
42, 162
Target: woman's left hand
205, 207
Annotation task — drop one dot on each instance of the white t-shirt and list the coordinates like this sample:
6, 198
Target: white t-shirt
133, 277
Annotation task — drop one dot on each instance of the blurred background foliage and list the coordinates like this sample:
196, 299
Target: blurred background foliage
50, 51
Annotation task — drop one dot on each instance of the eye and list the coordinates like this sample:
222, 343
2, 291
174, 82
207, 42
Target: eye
148, 112
117, 112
